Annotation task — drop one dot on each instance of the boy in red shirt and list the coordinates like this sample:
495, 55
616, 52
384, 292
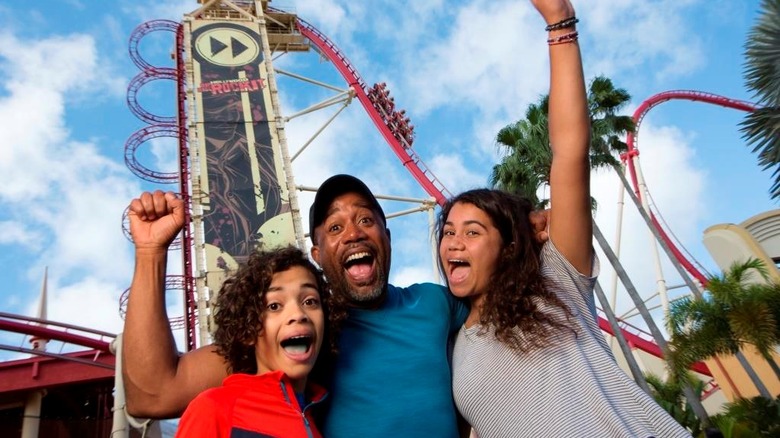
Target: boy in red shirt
270, 320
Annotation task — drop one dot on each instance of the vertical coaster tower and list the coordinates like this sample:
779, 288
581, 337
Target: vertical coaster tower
242, 192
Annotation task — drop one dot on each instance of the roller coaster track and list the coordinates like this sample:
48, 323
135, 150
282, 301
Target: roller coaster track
164, 126
158, 126
57, 331
405, 153
633, 150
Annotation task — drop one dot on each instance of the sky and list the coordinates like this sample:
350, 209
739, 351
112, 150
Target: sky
461, 69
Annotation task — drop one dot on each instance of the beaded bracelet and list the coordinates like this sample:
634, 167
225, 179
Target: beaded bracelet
563, 39
563, 24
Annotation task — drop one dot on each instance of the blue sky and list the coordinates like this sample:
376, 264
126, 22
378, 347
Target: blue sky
461, 69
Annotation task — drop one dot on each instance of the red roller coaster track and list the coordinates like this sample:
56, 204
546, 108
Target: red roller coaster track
164, 126
633, 151
633, 143
51, 330
405, 153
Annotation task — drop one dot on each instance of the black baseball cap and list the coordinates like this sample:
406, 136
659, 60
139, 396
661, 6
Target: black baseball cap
332, 188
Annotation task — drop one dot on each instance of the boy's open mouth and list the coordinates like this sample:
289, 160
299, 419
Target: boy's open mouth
297, 344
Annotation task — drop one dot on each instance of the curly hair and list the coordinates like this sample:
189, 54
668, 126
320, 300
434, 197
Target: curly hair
513, 306
240, 305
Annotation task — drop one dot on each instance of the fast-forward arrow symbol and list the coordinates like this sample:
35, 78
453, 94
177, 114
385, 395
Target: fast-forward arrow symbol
236, 46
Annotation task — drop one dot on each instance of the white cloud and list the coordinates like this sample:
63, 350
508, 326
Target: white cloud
624, 36
16, 232
89, 303
169, 10
409, 275
481, 57
456, 175
166, 155
326, 15
31, 115
65, 189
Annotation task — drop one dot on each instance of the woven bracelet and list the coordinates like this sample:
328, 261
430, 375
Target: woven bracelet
563, 39
563, 24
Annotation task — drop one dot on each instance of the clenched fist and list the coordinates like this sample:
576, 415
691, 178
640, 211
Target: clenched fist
155, 219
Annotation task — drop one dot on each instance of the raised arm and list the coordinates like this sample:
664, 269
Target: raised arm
569, 124
158, 382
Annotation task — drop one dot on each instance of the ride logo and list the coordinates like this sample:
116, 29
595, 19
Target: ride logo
232, 86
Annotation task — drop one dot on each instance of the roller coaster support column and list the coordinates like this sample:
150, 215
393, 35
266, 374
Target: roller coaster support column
693, 399
645, 194
122, 421
618, 240
639, 378
120, 426
32, 414
32, 405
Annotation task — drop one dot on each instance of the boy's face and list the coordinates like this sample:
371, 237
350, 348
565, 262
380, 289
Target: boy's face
293, 326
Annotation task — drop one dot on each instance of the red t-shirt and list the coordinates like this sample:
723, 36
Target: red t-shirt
250, 406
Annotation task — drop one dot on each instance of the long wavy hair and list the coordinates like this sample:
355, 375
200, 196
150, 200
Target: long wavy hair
240, 306
513, 305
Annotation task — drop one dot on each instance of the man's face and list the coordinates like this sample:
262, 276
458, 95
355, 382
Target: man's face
353, 249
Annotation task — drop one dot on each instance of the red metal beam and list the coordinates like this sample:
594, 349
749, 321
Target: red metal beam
42, 332
649, 347
46, 372
190, 303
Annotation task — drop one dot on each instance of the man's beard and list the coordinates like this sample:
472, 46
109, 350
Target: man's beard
337, 280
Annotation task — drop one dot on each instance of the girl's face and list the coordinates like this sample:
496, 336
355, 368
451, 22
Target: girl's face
293, 326
469, 251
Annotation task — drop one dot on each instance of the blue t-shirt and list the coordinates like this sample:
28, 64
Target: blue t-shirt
392, 375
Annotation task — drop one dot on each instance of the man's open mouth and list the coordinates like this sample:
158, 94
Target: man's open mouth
360, 266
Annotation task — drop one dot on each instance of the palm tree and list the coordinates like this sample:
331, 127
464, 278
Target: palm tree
526, 166
734, 312
750, 417
607, 126
761, 128
669, 394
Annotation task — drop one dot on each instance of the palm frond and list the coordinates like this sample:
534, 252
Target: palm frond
738, 271
525, 166
761, 128
762, 55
